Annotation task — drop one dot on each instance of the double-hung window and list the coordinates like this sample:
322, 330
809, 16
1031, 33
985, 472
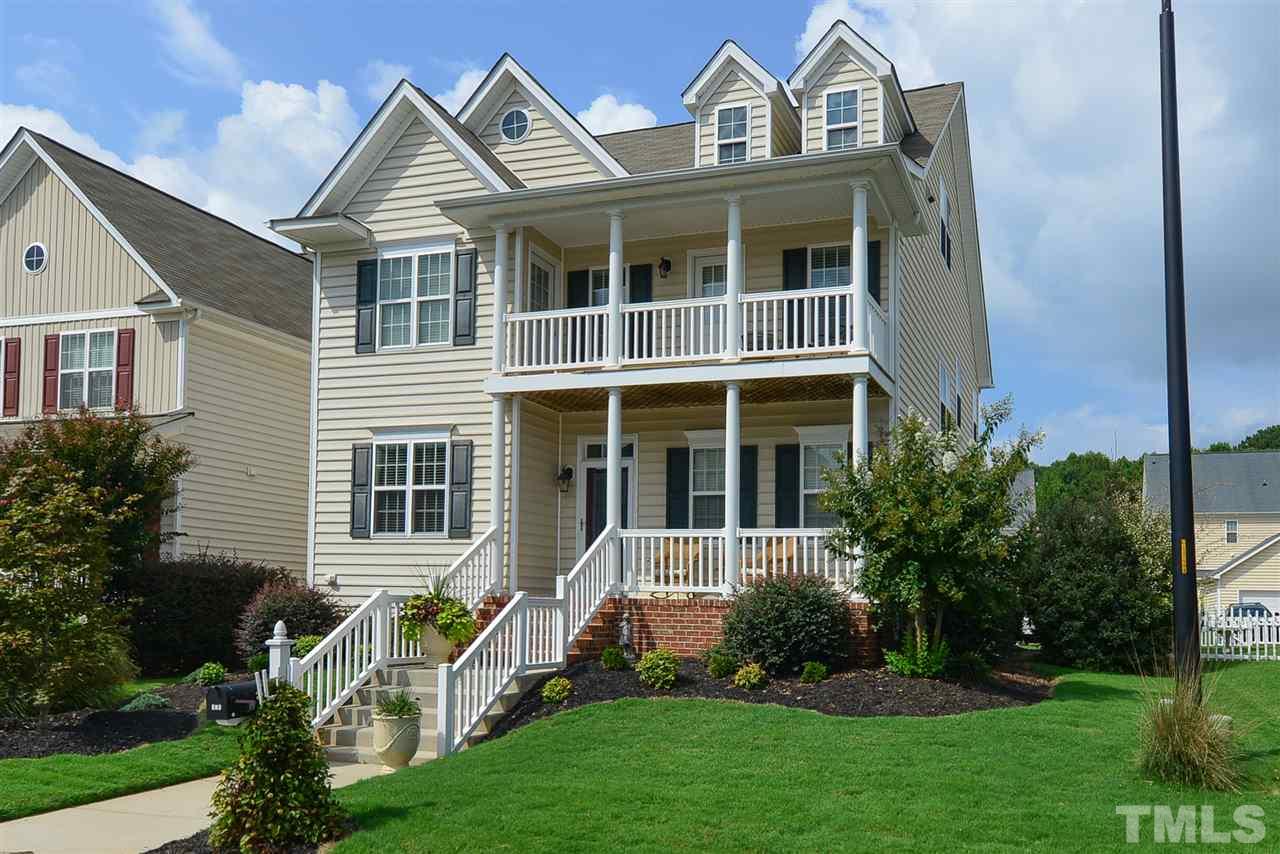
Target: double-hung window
829, 266
815, 459
706, 487
413, 299
87, 369
409, 483
540, 279
731, 134
1233, 531
600, 284
842, 120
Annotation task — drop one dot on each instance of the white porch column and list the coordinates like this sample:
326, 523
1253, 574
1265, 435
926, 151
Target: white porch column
732, 480
613, 479
499, 298
513, 572
521, 272
498, 483
615, 289
859, 422
733, 280
858, 265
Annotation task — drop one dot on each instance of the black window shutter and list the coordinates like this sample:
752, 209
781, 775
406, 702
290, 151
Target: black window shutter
464, 299
786, 486
641, 291
795, 269
578, 289
361, 478
461, 456
366, 305
677, 487
748, 491
873, 269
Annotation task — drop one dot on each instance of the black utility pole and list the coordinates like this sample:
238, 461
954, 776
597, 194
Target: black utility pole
1186, 616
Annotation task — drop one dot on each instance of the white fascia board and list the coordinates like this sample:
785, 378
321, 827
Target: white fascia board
764, 82
75, 316
840, 35
1246, 555
27, 139
300, 228
481, 106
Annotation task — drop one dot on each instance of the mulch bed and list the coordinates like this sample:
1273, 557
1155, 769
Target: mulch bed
199, 844
853, 693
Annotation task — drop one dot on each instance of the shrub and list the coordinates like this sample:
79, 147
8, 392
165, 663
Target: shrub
277, 794
813, 672
210, 673
968, 667
721, 663
782, 622
60, 645
750, 676
187, 611
145, 703
917, 662
659, 668
1181, 742
259, 661
398, 705
305, 611
556, 690
1096, 585
305, 644
613, 658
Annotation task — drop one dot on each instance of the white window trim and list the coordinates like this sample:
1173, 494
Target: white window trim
554, 300
1227, 533
414, 251
834, 434
808, 260
408, 439
696, 259
745, 138
695, 493
626, 282
84, 372
856, 125
528, 125
44, 262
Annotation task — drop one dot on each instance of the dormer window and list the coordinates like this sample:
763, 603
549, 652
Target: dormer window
731, 134
842, 120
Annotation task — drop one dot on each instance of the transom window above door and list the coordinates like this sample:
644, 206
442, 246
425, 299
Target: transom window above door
731, 134
413, 299
600, 451
829, 266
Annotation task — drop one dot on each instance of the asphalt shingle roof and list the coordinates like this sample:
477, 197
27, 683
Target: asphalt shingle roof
468, 136
930, 106
1242, 482
201, 257
657, 149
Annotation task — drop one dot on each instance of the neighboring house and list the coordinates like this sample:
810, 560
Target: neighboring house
660, 336
1237, 504
116, 296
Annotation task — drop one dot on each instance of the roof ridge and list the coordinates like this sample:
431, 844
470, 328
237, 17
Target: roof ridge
651, 127
934, 86
165, 193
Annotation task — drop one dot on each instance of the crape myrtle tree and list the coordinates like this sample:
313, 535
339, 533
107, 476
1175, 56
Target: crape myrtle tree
935, 522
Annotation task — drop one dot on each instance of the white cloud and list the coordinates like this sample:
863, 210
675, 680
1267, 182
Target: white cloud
51, 123
1088, 427
161, 129
382, 77
889, 20
453, 98
607, 115
47, 78
193, 51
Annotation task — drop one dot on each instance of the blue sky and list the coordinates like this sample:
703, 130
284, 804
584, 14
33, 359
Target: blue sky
243, 107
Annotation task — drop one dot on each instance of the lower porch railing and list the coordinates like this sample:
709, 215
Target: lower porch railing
694, 561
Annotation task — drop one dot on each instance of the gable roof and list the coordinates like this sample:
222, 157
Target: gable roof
656, 149
1248, 554
842, 36
405, 103
731, 51
196, 257
1239, 482
931, 106
507, 73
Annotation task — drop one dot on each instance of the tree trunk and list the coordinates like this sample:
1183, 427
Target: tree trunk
921, 631
937, 629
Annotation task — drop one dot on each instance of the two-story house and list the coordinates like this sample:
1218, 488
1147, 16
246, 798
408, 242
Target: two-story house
535, 346
116, 296
1237, 513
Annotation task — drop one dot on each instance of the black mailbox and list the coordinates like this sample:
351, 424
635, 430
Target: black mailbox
231, 702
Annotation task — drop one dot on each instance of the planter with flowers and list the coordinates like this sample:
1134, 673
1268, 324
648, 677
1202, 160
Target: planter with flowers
439, 621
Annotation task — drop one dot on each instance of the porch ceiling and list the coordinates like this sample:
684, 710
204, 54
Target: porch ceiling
774, 390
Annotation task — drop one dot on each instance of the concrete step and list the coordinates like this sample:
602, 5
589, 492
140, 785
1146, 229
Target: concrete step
405, 677
366, 756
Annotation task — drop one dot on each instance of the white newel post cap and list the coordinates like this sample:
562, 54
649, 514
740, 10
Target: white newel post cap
279, 648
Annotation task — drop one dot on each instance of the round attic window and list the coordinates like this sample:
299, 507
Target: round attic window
34, 259
515, 125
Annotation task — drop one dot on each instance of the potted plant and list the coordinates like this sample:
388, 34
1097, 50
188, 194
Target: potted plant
438, 620
396, 729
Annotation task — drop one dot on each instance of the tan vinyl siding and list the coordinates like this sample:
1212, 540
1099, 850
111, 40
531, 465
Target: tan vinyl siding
842, 72
892, 127
764, 426
156, 349
733, 89
539, 464
934, 310
247, 492
1259, 574
1212, 548
545, 157
87, 268
785, 133
396, 200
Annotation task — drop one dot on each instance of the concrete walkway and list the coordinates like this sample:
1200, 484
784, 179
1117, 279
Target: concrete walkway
133, 823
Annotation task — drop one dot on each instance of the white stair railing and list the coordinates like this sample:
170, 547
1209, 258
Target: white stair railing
587, 585
478, 572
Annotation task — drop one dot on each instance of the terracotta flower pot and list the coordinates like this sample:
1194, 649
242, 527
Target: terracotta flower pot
395, 739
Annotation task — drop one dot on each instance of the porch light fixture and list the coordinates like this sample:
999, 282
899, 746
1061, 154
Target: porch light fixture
664, 267
564, 478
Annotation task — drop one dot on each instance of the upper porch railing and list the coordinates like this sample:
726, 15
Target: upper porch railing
816, 321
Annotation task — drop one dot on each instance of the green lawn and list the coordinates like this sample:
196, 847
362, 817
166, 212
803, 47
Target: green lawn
704, 775
29, 786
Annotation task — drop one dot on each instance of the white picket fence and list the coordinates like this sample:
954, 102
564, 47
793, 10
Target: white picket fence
1224, 638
